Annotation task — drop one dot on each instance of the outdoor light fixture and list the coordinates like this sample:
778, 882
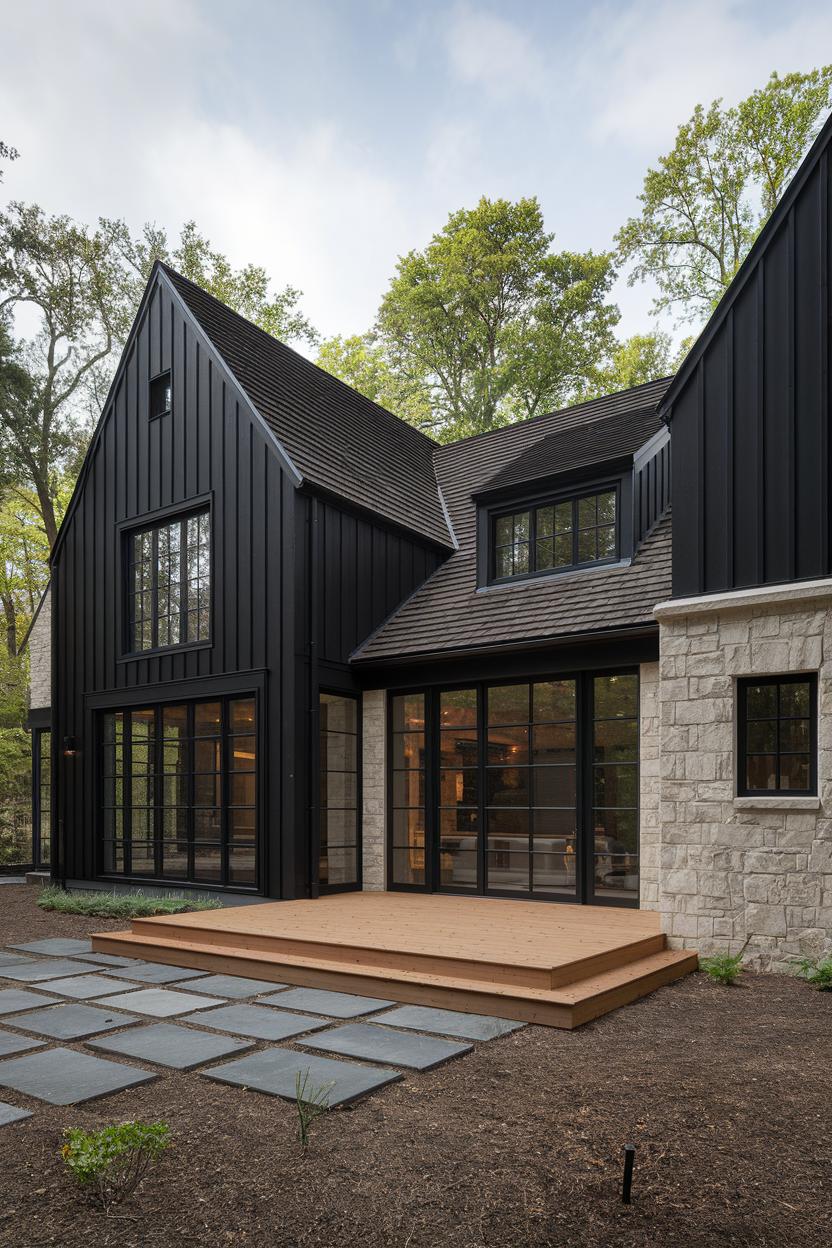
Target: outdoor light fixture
70, 747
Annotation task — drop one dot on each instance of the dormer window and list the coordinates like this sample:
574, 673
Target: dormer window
555, 535
160, 395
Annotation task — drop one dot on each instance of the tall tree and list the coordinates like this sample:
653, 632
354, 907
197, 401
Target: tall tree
707, 199
7, 153
362, 363
641, 358
491, 322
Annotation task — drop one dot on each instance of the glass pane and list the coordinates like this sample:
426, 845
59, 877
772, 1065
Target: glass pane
339, 867
508, 704
408, 749
507, 786
545, 521
616, 741
338, 788
563, 518
241, 715
458, 788
409, 827
762, 736
794, 736
795, 698
508, 870
553, 700
242, 866
339, 751
606, 541
143, 858
616, 875
174, 722
522, 562
338, 714
615, 785
207, 863
207, 755
545, 557
242, 824
504, 561
761, 771
207, 825
562, 554
409, 712
458, 747
761, 701
175, 859
554, 826
554, 871
508, 823
408, 788
207, 719
409, 866
616, 831
554, 786
458, 820
458, 708
243, 753
554, 743
522, 526
794, 771
606, 507
587, 516
458, 861
243, 789
503, 531
616, 696
508, 746
587, 549
338, 828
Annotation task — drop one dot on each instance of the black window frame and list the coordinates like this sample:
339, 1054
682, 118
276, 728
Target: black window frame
154, 526
160, 395
41, 796
532, 506
321, 809
747, 682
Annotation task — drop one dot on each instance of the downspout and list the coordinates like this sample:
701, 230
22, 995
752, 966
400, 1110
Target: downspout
313, 716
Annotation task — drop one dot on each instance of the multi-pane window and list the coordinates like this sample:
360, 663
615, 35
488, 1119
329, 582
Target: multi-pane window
556, 535
777, 725
42, 778
615, 786
169, 583
339, 791
179, 792
408, 759
459, 780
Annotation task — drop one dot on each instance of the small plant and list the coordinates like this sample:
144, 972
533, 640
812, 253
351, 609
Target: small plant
817, 972
723, 968
103, 905
311, 1103
111, 1163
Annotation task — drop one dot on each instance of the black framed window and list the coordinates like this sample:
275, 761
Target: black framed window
564, 533
160, 395
42, 797
407, 784
777, 735
339, 816
615, 786
179, 792
169, 583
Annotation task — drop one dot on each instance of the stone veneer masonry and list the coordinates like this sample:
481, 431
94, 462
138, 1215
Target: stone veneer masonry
734, 869
374, 788
40, 656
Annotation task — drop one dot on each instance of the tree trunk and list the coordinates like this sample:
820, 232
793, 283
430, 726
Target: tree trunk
47, 509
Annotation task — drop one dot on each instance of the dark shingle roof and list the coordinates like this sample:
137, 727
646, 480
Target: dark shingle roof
337, 439
450, 613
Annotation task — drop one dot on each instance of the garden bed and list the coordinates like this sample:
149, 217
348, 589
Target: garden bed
724, 1092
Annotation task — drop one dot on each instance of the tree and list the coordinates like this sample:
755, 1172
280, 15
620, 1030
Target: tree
641, 358
493, 324
24, 562
707, 200
7, 153
363, 364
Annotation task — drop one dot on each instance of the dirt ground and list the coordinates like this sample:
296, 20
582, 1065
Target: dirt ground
724, 1092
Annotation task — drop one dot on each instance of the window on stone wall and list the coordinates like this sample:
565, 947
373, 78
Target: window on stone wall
777, 736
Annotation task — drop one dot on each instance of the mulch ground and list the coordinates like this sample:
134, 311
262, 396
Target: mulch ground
724, 1092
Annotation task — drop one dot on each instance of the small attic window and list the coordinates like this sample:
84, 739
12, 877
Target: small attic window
160, 395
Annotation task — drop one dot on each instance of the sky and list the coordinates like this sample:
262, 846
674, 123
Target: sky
324, 138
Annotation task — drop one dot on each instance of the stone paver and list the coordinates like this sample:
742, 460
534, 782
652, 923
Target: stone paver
378, 1044
56, 947
15, 1000
448, 1022
16, 1044
260, 1022
64, 1077
319, 1001
235, 986
10, 1113
165, 1044
49, 968
155, 973
275, 1072
13, 959
70, 1022
84, 987
107, 959
159, 1002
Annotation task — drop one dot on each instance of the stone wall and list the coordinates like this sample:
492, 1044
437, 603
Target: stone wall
739, 868
40, 657
373, 786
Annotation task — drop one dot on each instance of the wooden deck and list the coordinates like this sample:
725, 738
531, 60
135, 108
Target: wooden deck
559, 965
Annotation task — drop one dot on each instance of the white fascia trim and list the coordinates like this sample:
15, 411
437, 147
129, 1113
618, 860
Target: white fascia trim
790, 595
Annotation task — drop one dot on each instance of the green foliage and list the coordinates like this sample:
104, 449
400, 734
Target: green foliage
311, 1102
723, 968
103, 905
706, 201
363, 364
7, 153
817, 972
639, 359
110, 1163
493, 324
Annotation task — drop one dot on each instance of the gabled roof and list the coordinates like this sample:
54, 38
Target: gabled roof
748, 266
337, 440
449, 613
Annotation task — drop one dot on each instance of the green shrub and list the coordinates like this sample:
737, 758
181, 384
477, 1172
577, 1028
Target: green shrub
101, 905
723, 968
111, 1163
817, 972
310, 1102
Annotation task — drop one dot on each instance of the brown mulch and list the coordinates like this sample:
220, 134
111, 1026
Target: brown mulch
724, 1092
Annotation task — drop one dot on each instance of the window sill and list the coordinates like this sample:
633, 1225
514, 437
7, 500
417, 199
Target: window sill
777, 801
187, 646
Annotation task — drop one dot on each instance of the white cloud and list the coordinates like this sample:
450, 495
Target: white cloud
494, 54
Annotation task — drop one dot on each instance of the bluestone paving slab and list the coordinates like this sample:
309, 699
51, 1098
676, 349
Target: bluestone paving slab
56, 947
70, 1022
64, 1077
10, 1113
108, 959
47, 968
84, 987
15, 1000
319, 1001
275, 1072
396, 1048
182, 1048
235, 986
16, 1044
13, 959
260, 1022
448, 1022
155, 973
159, 1002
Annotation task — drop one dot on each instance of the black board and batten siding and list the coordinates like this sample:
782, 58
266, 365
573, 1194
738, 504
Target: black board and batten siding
750, 412
651, 484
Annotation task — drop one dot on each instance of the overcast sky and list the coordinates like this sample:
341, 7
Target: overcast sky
322, 138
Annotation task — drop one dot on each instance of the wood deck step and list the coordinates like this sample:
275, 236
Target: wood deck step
567, 1005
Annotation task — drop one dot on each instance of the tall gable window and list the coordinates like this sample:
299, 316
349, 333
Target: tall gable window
160, 395
169, 583
564, 533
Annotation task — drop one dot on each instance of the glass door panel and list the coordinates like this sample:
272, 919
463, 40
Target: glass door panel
615, 772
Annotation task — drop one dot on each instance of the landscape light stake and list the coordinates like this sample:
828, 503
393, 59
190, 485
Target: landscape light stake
629, 1158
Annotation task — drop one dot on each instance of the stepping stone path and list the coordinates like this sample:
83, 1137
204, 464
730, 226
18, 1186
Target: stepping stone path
64, 1077
155, 973
56, 947
10, 1113
165, 1044
318, 1001
70, 1022
84, 987
16, 1044
12, 959
259, 1022
15, 1000
448, 1022
107, 959
275, 1072
159, 1002
398, 1048
49, 968
234, 986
